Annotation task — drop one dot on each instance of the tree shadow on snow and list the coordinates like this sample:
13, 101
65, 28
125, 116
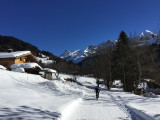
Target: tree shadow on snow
90, 87
157, 117
100, 101
116, 90
24, 112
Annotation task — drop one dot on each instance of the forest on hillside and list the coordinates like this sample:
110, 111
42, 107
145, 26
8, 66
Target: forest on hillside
128, 60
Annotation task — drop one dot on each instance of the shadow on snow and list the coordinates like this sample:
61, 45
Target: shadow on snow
24, 112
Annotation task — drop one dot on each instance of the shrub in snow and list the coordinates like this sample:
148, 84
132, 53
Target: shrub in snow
151, 95
153, 84
70, 79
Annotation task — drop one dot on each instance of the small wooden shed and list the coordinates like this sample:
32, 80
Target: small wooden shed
49, 73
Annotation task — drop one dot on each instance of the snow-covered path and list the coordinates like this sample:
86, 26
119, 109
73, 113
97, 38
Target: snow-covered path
91, 109
103, 109
111, 105
107, 107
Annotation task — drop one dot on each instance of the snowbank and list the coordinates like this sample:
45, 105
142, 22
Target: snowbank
2, 67
151, 95
25, 65
138, 106
19, 70
30, 96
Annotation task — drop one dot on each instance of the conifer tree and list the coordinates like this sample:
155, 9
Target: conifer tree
123, 62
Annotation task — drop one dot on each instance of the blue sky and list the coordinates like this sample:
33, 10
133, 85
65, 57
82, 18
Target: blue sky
57, 25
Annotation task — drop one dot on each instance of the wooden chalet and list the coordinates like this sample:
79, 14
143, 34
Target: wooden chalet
9, 58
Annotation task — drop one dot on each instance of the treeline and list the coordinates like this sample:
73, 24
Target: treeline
128, 60
8, 42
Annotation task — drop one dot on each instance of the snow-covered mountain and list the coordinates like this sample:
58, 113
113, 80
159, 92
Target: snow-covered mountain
78, 55
148, 34
148, 37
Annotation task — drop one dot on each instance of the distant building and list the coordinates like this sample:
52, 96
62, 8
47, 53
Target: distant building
9, 58
117, 83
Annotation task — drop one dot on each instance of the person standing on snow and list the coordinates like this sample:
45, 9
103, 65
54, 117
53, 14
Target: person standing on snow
97, 90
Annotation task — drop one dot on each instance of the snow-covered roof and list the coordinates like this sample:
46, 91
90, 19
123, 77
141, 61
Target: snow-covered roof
50, 70
25, 65
13, 54
2, 67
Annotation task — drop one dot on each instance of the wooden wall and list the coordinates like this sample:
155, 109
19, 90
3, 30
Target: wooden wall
20, 60
7, 62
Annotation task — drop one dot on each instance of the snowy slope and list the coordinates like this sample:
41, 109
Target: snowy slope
32, 97
45, 59
26, 96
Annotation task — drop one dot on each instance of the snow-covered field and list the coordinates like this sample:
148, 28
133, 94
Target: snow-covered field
30, 97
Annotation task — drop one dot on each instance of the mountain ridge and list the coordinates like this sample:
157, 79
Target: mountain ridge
78, 55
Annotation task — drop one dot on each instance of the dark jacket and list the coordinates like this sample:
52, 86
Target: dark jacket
97, 90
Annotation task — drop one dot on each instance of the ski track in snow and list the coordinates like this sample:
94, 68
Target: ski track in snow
132, 113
